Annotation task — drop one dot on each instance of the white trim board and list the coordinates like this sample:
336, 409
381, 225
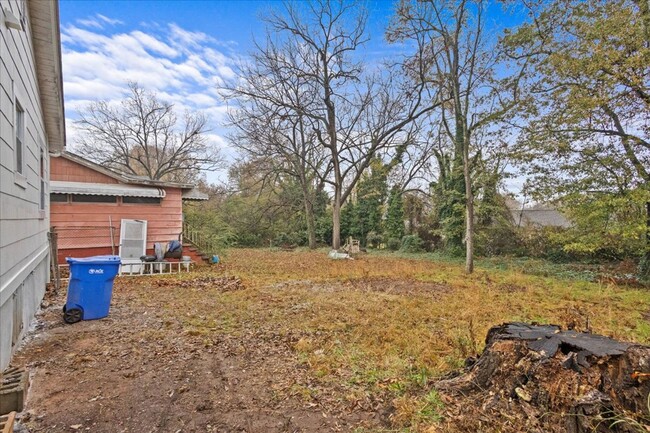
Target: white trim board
17, 279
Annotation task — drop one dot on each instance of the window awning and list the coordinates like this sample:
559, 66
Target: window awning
114, 189
194, 194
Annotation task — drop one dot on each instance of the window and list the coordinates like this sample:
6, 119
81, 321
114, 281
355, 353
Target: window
19, 129
83, 198
58, 198
141, 200
42, 176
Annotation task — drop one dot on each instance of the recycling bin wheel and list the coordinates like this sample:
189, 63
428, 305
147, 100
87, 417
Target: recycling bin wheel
72, 315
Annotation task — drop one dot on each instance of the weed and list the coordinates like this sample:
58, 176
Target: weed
416, 411
628, 422
433, 405
383, 325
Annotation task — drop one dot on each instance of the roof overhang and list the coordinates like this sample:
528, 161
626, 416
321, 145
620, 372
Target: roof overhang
194, 194
112, 189
46, 35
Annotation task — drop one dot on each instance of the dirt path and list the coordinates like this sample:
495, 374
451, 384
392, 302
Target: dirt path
139, 371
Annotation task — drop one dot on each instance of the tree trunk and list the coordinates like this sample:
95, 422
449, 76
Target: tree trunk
311, 225
469, 214
308, 202
540, 379
647, 228
336, 219
644, 264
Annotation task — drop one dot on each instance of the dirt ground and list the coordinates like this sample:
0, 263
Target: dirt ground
290, 342
139, 371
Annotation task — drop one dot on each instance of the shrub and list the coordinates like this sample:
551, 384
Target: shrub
374, 240
294, 238
497, 240
411, 244
216, 233
545, 242
643, 271
393, 244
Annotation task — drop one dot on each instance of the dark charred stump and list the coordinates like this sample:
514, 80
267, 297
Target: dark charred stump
539, 378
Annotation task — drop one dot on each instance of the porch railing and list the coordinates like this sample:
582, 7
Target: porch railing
206, 243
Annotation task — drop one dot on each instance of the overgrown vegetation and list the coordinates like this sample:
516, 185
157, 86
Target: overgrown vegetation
382, 327
424, 150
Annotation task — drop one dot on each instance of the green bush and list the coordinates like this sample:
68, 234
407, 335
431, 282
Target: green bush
497, 240
393, 244
546, 243
643, 271
374, 240
286, 239
411, 244
216, 234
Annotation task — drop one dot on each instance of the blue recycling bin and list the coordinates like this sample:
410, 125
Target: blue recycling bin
90, 288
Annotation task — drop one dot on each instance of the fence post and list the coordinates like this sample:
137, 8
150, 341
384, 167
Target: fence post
54, 258
112, 235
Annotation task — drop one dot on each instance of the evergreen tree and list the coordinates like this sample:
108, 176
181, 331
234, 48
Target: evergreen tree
371, 195
395, 215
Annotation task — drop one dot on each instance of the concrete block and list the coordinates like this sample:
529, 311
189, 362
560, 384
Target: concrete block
7, 422
14, 383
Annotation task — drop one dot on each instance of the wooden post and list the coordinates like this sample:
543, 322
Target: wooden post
111, 234
54, 258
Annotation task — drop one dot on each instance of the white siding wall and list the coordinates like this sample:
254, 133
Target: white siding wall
23, 226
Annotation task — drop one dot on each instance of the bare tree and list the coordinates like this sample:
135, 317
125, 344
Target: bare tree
353, 114
280, 138
464, 62
142, 136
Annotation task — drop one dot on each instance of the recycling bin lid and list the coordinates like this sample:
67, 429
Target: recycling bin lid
95, 260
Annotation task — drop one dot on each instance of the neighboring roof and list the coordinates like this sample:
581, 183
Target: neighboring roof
46, 36
121, 177
112, 189
542, 214
194, 194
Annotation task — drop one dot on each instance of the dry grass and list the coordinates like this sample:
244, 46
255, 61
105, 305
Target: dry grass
377, 329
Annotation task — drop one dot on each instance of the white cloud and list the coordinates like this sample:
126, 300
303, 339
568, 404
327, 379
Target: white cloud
188, 39
110, 21
154, 44
98, 21
182, 67
90, 22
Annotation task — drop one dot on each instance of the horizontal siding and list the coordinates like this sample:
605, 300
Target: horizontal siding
10, 255
95, 212
23, 227
69, 171
164, 221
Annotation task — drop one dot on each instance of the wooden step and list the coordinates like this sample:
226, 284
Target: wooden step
7, 422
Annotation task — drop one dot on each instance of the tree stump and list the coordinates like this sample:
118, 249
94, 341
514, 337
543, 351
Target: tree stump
539, 378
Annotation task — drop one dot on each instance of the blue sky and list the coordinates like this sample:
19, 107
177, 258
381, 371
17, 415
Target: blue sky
182, 50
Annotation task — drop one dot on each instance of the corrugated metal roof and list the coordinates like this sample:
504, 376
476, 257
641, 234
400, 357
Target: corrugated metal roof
87, 188
194, 194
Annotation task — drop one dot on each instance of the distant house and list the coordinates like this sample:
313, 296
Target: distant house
31, 124
95, 210
540, 215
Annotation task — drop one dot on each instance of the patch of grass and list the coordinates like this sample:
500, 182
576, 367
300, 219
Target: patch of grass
525, 265
416, 411
384, 325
